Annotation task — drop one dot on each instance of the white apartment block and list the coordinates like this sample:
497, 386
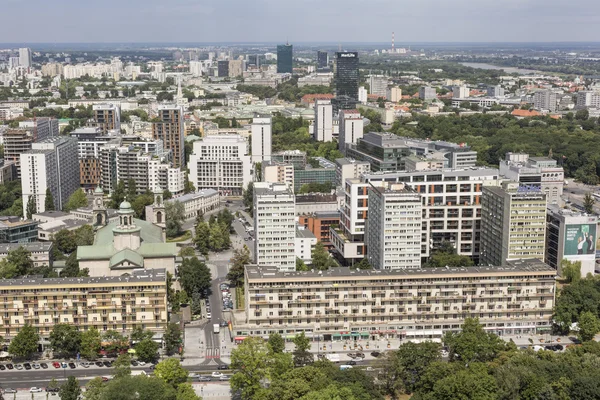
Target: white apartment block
163, 176
323, 125
513, 223
378, 85
393, 236
195, 68
276, 172
50, 164
414, 305
393, 94
275, 226
451, 202
221, 162
261, 132
25, 57
305, 243
460, 92
545, 100
347, 168
588, 99
351, 127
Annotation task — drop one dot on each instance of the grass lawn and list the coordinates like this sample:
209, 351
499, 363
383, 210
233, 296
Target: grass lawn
187, 235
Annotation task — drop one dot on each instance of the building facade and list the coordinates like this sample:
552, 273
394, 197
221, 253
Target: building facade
17, 230
198, 203
393, 232
351, 128
419, 304
320, 223
275, 172
323, 127
107, 117
221, 162
285, 58
274, 226
170, 130
261, 132
347, 168
513, 223
346, 75
545, 100
104, 303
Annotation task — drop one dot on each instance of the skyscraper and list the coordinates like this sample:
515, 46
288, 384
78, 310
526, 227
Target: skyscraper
346, 79
170, 129
322, 59
323, 128
285, 54
25, 57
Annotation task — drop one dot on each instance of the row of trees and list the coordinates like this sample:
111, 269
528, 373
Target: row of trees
67, 341
214, 235
169, 382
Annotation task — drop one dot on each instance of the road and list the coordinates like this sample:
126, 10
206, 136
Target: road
574, 192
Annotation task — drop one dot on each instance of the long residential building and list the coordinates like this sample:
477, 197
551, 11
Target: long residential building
412, 304
198, 203
104, 303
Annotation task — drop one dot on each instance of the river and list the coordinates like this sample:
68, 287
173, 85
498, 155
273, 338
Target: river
508, 70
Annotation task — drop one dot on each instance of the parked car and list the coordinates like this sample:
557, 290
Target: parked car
35, 390
64, 364
72, 365
44, 365
105, 379
216, 374
204, 378
224, 377
351, 362
222, 367
85, 364
141, 363
36, 365
2, 367
375, 354
27, 366
52, 390
9, 366
134, 363
10, 390
99, 364
223, 323
18, 366
360, 355
107, 364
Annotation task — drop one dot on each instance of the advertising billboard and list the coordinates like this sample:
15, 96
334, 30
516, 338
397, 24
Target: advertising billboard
580, 239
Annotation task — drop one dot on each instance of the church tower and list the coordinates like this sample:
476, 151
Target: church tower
100, 216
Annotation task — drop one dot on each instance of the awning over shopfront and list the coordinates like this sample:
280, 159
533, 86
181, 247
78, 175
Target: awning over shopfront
365, 334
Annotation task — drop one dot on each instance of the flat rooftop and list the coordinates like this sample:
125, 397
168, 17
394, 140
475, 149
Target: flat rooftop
33, 247
147, 275
518, 266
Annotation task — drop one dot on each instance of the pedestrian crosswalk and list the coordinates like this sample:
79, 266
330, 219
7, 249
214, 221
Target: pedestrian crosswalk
213, 352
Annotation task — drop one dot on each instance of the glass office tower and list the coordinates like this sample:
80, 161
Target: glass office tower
284, 58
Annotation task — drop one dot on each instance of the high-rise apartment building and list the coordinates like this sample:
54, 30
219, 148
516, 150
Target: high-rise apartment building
393, 94
285, 57
378, 85
261, 131
236, 68
89, 144
427, 93
323, 127
545, 100
50, 164
347, 168
351, 128
274, 226
393, 232
346, 75
460, 92
170, 130
221, 162
495, 91
45, 127
588, 98
107, 117
16, 142
25, 57
277, 172
322, 59
513, 223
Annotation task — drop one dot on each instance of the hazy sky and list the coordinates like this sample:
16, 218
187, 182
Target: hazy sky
299, 20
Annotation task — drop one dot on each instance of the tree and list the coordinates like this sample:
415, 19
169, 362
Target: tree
411, 360
570, 270
302, 354
185, 391
582, 115
138, 334
171, 372
300, 265
175, 215
25, 343
115, 342
84, 235
65, 340
363, 264
188, 186
473, 343
588, 325
94, 389
248, 197
122, 366
76, 200
202, 238
238, 261
65, 241
472, 383
91, 344
588, 203
194, 275
118, 195
70, 390
20, 259
31, 207
131, 190
187, 252
216, 242
249, 361
276, 344
321, 259
172, 338
49, 201
53, 384
446, 255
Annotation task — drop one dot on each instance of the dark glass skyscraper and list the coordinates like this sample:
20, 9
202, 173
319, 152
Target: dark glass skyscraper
346, 79
322, 59
284, 58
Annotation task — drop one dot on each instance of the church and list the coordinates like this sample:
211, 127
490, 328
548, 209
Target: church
128, 244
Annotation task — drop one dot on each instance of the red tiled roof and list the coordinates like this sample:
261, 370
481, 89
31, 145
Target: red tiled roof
525, 113
312, 97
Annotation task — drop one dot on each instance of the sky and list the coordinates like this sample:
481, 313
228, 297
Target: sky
329, 21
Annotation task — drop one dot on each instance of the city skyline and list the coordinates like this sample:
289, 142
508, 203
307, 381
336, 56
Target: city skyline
334, 21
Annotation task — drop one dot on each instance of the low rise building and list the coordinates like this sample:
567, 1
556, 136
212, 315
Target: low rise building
320, 223
41, 252
342, 303
16, 230
305, 243
198, 203
316, 202
118, 303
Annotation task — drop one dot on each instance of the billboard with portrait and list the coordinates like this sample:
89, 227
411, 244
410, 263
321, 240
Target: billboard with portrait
580, 239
